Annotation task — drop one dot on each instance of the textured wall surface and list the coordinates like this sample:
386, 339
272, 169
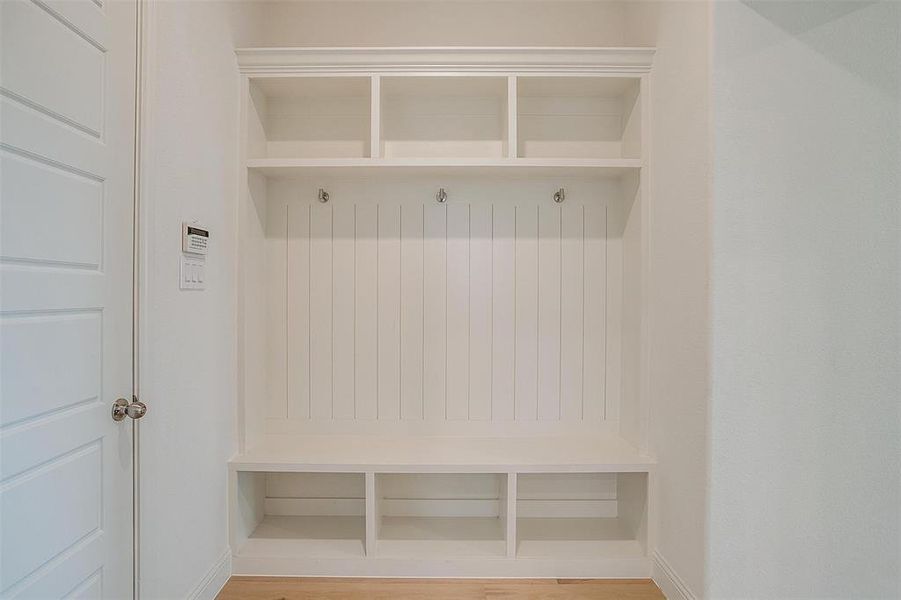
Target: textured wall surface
437, 23
680, 268
805, 440
189, 343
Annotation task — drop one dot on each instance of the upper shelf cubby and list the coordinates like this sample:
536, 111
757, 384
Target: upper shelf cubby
353, 108
579, 117
452, 117
309, 117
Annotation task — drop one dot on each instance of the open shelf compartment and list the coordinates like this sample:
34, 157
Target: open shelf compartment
581, 515
578, 117
440, 515
299, 514
444, 117
309, 117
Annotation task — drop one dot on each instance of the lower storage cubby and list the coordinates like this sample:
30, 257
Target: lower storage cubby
439, 515
438, 524
301, 514
581, 515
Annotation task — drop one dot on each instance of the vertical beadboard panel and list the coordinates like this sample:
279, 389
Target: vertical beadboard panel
549, 290
503, 307
435, 311
445, 312
526, 334
480, 311
343, 325
321, 315
411, 313
595, 313
299, 262
366, 313
276, 348
389, 315
458, 311
572, 311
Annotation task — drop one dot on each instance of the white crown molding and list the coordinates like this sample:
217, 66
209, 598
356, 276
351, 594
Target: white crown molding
444, 59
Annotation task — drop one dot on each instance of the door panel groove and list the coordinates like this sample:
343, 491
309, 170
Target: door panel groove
49, 161
69, 24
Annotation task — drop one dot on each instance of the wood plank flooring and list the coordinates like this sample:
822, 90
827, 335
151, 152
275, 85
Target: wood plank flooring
314, 588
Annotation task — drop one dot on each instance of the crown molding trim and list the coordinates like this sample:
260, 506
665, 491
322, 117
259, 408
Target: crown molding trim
507, 60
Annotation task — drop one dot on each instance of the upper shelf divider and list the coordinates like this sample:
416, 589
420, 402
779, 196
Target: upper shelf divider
512, 60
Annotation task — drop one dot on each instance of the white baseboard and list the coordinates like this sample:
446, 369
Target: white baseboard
214, 580
273, 565
669, 582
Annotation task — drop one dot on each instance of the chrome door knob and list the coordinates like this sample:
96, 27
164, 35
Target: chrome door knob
123, 408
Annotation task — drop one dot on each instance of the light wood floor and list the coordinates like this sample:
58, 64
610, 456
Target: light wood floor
286, 588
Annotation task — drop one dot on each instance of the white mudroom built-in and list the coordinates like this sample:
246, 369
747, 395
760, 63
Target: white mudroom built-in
442, 312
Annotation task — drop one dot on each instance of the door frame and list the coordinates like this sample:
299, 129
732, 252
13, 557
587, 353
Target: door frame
143, 12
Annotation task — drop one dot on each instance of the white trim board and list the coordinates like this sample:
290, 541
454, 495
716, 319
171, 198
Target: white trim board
446, 59
356, 454
215, 579
669, 582
557, 167
482, 567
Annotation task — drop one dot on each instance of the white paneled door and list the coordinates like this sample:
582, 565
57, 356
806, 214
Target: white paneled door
67, 105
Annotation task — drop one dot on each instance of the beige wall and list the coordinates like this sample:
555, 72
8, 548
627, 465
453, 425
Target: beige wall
805, 483
436, 23
188, 352
679, 273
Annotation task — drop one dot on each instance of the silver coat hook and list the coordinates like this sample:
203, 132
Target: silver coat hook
441, 196
559, 195
323, 195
